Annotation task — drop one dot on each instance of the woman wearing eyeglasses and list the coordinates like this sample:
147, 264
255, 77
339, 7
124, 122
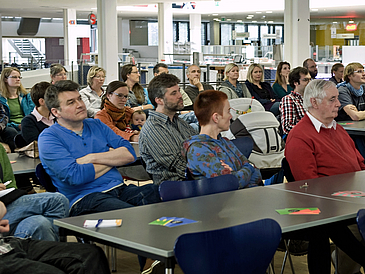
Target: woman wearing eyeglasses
138, 96
208, 154
15, 99
58, 73
91, 95
261, 90
114, 112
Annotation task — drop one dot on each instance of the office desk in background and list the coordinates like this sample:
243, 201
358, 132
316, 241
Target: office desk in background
353, 127
23, 164
211, 211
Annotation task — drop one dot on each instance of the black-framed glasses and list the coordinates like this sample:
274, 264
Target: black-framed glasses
99, 76
15, 77
120, 95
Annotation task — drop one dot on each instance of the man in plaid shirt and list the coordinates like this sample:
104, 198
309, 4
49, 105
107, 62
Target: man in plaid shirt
291, 106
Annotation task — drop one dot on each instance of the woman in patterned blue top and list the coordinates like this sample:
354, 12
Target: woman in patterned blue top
210, 155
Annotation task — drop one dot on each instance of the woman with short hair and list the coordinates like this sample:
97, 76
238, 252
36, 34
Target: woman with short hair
210, 155
58, 73
91, 95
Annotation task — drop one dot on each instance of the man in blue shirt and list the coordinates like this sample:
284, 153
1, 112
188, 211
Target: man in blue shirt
81, 156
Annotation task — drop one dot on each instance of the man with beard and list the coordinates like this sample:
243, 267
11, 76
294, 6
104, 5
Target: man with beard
163, 134
311, 66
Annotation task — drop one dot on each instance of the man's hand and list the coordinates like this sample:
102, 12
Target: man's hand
4, 226
2, 186
272, 100
198, 84
87, 159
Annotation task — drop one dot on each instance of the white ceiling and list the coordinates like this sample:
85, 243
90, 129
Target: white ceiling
328, 10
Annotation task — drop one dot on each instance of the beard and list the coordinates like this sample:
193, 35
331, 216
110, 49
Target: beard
313, 74
174, 106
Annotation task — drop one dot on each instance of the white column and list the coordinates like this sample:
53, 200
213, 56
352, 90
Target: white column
296, 31
70, 37
195, 32
165, 33
108, 38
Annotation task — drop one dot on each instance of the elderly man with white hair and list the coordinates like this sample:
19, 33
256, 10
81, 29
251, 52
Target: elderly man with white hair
317, 146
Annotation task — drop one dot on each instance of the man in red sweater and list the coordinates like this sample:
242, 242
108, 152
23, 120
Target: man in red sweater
318, 147
325, 148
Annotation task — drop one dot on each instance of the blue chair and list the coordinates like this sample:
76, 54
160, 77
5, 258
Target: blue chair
44, 179
173, 190
247, 248
360, 219
244, 144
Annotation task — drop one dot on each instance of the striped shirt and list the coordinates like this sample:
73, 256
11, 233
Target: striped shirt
160, 146
292, 111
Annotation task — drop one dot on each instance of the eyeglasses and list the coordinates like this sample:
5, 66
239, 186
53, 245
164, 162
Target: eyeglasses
359, 71
134, 71
121, 96
99, 77
306, 80
15, 77
61, 74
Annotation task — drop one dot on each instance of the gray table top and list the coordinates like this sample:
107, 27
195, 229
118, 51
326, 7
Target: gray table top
353, 127
212, 212
324, 187
23, 164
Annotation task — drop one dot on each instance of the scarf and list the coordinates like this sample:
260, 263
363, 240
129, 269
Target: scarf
118, 115
356, 92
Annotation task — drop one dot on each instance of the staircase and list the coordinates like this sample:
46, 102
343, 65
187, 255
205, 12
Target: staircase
26, 49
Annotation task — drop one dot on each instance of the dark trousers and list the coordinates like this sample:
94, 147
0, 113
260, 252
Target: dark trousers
118, 198
38, 257
319, 255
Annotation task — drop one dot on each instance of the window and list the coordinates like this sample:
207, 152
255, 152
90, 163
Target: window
226, 34
152, 33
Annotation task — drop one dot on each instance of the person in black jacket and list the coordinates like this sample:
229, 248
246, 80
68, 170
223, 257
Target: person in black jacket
40, 118
261, 90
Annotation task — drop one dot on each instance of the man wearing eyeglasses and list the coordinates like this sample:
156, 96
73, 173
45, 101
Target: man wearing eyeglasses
311, 66
291, 105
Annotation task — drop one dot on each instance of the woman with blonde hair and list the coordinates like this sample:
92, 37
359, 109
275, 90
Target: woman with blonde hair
138, 96
231, 86
58, 73
261, 90
91, 95
281, 85
15, 99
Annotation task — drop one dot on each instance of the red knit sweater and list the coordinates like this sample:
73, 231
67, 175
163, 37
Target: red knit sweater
311, 154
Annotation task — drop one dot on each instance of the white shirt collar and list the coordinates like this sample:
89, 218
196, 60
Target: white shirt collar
318, 124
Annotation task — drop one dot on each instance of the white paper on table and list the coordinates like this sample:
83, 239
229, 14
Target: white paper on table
6, 191
104, 223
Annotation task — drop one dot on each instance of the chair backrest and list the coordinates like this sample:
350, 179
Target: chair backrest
244, 144
246, 248
243, 104
19, 141
173, 190
44, 178
287, 171
360, 219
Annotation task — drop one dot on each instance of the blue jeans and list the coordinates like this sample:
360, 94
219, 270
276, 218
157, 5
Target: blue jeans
118, 198
32, 215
